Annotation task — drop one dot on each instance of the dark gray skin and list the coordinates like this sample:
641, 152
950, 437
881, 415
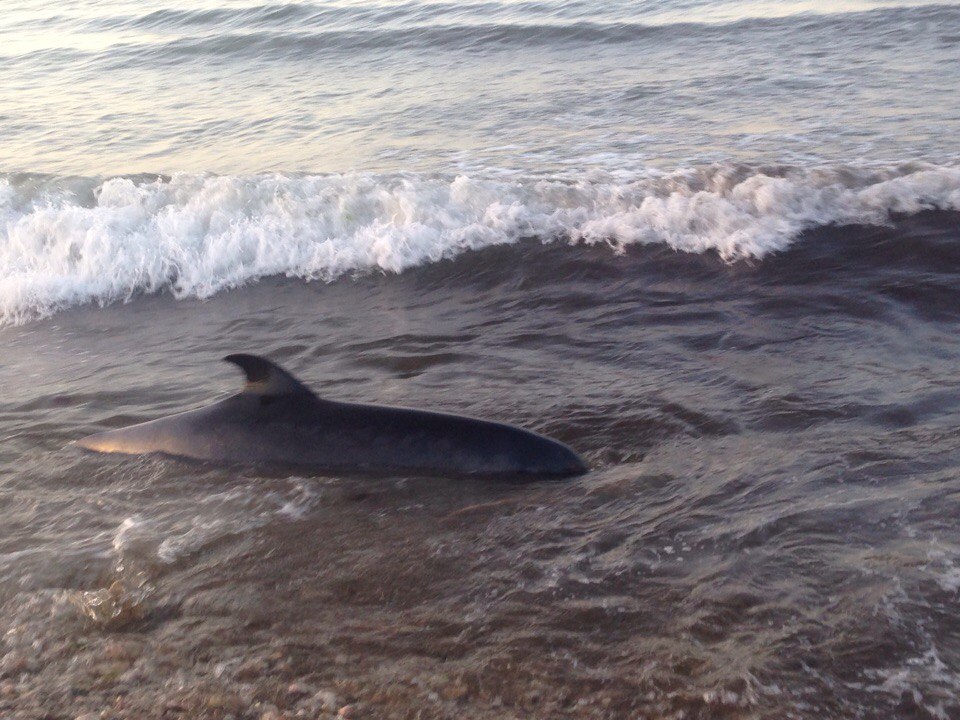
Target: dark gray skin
276, 420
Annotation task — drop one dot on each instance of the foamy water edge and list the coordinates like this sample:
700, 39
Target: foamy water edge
71, 241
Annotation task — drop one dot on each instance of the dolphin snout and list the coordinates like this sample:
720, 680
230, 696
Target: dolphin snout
555, 458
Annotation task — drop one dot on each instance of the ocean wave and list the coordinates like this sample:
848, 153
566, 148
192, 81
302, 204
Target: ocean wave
296, 31
70, 241
484, 12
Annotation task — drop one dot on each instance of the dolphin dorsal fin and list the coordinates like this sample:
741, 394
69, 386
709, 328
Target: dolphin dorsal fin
267, 378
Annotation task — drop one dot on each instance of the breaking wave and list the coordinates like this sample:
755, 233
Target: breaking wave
69, 241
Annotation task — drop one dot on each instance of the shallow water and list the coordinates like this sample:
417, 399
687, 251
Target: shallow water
769, 529
712, 246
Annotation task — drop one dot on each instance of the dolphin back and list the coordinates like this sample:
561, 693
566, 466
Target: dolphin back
276, 419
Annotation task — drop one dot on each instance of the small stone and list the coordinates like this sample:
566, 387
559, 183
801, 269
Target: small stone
349, 712
226, 702
121, 651
14, 663
112, 671
251, 670
298, 689
88, 716
8, 689
456, 691
326, 700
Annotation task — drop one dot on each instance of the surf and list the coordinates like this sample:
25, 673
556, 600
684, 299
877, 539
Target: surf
72, 241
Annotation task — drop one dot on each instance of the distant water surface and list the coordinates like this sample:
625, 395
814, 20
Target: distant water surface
545, 86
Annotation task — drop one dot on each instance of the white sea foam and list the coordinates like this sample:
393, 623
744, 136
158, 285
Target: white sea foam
184, 528
68, 242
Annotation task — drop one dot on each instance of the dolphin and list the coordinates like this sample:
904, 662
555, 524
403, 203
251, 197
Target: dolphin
277, 420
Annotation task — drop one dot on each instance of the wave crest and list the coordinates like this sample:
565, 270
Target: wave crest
66, 241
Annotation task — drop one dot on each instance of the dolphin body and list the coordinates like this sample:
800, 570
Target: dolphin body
277, 420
